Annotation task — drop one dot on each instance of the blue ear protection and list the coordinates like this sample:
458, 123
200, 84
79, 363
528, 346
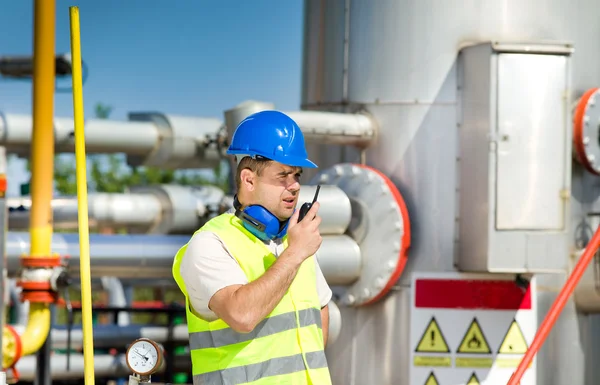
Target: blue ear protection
259, 221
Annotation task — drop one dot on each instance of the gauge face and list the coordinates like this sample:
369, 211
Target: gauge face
143, 356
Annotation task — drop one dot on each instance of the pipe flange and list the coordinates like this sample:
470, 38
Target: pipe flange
12, 347
586, 131
385, 240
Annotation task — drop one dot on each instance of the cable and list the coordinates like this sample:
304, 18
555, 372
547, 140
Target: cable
557, 306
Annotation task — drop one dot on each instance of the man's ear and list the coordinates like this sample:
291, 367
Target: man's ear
248, 178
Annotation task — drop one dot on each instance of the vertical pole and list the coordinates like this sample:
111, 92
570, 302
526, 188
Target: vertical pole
82, 202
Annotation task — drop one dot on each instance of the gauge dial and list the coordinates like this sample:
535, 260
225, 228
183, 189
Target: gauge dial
144, 356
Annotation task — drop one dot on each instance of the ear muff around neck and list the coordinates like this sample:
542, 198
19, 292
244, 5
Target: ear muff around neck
259, 221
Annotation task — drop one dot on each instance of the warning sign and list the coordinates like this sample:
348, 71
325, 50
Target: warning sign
431, 380
473, 380
462, 323
432, 340
514, 340
474, 341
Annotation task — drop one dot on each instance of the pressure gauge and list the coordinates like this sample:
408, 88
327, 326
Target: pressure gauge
144, 357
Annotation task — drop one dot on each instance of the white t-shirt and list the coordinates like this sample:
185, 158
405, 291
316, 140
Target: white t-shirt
207, 267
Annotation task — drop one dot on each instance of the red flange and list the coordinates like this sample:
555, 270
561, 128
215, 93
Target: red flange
383, 229
404, 239
586, 131
18, 348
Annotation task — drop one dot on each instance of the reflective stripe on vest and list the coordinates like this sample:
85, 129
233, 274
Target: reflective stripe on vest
269, 368
268, 326
284, 348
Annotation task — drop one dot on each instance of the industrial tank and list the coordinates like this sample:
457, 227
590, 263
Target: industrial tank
402, 62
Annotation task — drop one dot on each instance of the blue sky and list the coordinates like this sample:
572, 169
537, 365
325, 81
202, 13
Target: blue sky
186, 57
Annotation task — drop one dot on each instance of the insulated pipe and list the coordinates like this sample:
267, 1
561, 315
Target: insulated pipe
335, 128
151, 256
116, 298
115, 336
102, 135
147, 139
105, 209
318, 127
171, 209
105, 365
335, 209
340, 260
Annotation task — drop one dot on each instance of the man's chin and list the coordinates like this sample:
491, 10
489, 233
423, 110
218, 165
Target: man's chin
284, 215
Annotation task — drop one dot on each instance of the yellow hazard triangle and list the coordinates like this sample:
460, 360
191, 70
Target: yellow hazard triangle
474, 342
514, 341
473, 380
432, 340
431, 380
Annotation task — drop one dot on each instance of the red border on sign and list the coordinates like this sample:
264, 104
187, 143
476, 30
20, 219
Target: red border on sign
471, 294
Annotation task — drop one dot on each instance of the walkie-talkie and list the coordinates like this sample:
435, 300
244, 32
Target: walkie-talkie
306, 206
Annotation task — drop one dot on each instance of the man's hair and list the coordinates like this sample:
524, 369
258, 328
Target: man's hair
257, 166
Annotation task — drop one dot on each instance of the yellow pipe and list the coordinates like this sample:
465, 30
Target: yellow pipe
42, 161
82, 202
38, 327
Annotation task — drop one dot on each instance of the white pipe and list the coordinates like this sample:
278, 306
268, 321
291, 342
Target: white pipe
101, 135
105, 365
114, 336
116, 298
335, 128
105, 209
169, 209
151, 256
148, 139
318, 127
340, 260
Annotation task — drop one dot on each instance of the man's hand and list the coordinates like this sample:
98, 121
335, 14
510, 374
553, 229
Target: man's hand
304, 238
243, 306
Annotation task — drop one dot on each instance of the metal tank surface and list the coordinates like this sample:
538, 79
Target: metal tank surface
398, 61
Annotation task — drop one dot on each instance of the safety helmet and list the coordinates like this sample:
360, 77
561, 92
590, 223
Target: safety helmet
272, 135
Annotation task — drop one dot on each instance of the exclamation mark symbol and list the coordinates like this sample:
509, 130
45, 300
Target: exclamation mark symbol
432, 337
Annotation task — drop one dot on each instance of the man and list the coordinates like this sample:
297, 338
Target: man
256, 299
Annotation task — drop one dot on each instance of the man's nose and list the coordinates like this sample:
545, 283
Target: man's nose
295, 186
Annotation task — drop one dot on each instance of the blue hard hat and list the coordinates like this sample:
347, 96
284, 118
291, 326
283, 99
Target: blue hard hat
272, 135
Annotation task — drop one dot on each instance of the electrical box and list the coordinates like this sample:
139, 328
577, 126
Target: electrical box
514, 157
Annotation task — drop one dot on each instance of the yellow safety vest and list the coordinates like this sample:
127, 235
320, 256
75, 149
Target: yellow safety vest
285, 348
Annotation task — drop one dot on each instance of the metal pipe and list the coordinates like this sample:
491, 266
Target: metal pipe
340, 260
335, 210
105, 365
170, 209
318, 127
115, 336
105, 209
190, 142
336, 128
102, 135
116, 298
151, 256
